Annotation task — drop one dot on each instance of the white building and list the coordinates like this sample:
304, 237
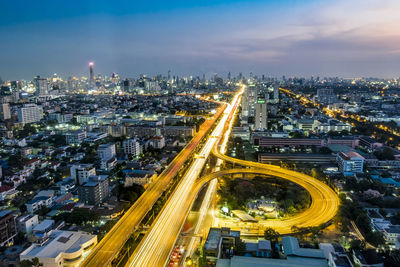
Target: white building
36, 203
75, 137
132, 147
157, 142
80, 172
29, 113
27, 222
261, 116
106, 151
64, 248
5, 111
350, 162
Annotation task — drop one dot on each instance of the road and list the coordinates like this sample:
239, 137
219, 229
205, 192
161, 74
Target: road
157, 244
324, 200
211, 190
106, 250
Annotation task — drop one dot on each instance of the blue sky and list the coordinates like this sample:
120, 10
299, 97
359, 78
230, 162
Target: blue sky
302, 38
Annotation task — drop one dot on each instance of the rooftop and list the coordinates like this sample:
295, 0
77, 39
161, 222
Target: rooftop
60, 241
237, 261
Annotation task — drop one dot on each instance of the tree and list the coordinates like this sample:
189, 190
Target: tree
385, 153
240, 247
16, 161
29, 263
271, 234
357, 244
375, 238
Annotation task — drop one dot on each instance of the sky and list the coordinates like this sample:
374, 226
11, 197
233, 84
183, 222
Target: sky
345, 38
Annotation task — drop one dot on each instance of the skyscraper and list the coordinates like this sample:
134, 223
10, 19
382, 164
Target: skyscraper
261, 116
42, 86
91, 75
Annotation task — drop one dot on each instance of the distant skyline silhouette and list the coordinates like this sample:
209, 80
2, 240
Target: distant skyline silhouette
358, 38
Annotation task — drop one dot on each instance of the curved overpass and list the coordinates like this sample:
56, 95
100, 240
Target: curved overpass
323, 207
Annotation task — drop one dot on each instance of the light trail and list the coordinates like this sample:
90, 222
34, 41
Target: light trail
155, 247
211, 190
159, 241
106, 250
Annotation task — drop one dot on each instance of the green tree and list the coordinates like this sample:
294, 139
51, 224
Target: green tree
271, 234
29, 263
240, 247
357, 244
375, 238
16, 161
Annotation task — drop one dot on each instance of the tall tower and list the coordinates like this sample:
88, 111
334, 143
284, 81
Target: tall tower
91, 75
261, 116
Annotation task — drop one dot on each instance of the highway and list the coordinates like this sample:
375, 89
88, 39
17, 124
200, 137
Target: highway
159, 241
324, 200
106, 250
157, 244
211, 190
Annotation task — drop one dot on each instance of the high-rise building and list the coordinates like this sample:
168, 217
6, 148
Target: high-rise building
126, 84
91, 75
94, 190
29, 113
261, 116
276, 93
5, 111
42, 86
8, 228
131, 147
81, 172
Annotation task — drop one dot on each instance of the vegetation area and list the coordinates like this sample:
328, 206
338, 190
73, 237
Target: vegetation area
350, 210
78, 216
290, 197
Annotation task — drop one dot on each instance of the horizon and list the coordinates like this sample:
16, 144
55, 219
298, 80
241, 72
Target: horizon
275, 38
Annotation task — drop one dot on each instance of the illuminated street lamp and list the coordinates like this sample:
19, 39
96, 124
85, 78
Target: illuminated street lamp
189, 261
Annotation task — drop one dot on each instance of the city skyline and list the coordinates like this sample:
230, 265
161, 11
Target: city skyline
319, 38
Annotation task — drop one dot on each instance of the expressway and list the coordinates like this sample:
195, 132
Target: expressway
156, 245
324, 204
323, 207
106, 250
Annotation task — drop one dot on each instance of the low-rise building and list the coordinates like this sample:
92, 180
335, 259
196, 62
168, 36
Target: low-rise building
64, 248
75, 137
350, 162
157, 142
220, 241
36, 203
27, 222
43, 229
370, 143
141, 177
106, 151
